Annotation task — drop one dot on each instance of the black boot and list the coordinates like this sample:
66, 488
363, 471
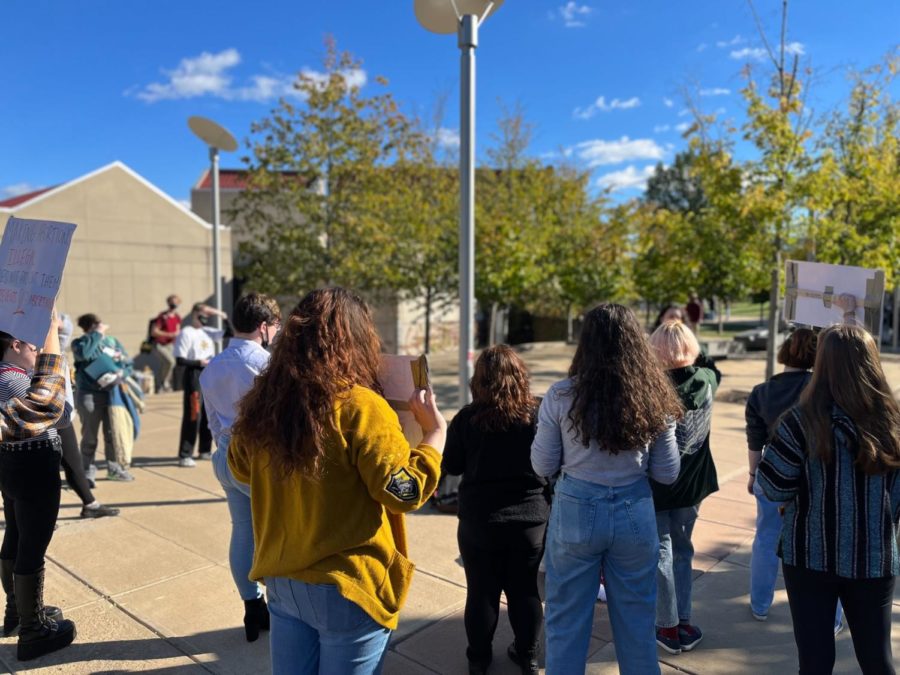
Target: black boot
11, 615
38, 634
526, 660
256, 618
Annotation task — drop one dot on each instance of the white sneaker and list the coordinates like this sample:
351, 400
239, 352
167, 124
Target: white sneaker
187, 462
759, 617
838, 628
601, 593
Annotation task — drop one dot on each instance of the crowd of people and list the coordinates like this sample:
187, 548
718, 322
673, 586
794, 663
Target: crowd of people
601, 479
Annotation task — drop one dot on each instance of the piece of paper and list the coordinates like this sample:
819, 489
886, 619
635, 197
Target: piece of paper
32, 258
400, 376
811, 288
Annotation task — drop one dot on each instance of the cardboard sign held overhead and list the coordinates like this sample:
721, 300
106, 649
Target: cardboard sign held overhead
810, 290
32, 258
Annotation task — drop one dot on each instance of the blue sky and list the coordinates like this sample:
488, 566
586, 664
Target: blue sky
89, 82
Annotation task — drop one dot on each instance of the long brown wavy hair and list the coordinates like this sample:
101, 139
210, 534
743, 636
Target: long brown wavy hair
501, 396
327, 345
623, 399
848, 374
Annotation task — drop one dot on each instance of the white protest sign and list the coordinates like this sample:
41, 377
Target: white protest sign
32, 257
810, 290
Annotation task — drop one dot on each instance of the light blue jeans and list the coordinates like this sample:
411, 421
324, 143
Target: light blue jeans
764, 563
674, 574
591, 527
240, 549
316, 631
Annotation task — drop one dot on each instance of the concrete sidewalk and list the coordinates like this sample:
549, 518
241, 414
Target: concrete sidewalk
151, 590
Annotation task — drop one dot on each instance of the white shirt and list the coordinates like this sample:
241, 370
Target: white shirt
197, 344
225, 381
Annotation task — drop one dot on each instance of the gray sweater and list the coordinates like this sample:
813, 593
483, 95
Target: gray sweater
557, 447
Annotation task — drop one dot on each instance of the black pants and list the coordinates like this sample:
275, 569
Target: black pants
813, 598
72, 465
29, 480
501, 557
190, 427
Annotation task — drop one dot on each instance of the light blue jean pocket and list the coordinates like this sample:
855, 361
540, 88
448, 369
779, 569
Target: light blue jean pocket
575, 519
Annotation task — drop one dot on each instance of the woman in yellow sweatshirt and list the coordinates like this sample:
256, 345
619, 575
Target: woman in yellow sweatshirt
331, 476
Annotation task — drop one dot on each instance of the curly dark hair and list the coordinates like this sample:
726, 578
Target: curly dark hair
328, 345
623, 399
501, 396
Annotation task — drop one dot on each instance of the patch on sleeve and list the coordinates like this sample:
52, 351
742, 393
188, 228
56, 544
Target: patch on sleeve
403, 486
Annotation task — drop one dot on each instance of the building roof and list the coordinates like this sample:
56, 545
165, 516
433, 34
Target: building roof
27, 197
233, 179
31, 198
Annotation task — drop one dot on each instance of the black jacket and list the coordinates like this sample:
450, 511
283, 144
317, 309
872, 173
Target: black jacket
768, 401
498, 483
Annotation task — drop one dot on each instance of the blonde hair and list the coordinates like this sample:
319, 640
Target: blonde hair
675, 345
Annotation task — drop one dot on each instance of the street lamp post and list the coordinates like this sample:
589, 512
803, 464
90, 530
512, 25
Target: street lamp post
216, 137
463, 17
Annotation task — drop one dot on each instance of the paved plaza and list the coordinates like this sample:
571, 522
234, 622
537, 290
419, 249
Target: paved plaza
151, 592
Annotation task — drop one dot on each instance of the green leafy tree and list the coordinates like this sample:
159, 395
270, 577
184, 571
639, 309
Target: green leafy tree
312, 169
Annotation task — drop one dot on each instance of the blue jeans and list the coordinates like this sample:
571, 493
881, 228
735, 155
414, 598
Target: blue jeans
240, 549
591, 527
674, 573
316, 631
764, 561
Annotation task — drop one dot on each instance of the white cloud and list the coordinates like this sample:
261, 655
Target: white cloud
600, 105
736, 40
702, 47
681, 128
600, 153
684, 112
749, 53
668, 102
574, 15
760, 54
448, 138
715, 91
209, 75
17, 189
629, 178
354, 78
661, 128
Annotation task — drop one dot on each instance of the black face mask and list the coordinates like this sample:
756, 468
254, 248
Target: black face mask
265, 339
203, 320
172, 306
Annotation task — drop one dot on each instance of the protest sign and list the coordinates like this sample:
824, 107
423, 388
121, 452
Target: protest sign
399, 377
810, 290
32, 257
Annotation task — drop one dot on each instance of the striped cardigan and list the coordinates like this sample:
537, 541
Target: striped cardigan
837, 519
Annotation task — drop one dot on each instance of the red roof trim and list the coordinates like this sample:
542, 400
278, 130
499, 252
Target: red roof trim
27, 197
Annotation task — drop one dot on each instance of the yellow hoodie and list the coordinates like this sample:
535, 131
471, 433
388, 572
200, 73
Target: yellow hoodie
345, 528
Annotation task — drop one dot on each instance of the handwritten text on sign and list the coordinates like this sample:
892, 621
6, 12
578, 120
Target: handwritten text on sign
32, 257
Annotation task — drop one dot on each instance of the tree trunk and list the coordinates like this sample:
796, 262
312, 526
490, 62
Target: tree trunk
428, 303
720, 315
492, 329
570, 325
773, 317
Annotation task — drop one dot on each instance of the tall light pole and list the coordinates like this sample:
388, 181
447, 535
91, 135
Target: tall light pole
217, 138
463, 17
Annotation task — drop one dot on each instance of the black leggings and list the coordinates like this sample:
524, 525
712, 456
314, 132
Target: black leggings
30, 483
501, 557
189, 427
813, 599
73, 466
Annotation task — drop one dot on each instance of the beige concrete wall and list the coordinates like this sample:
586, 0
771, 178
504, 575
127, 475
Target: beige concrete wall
133, 247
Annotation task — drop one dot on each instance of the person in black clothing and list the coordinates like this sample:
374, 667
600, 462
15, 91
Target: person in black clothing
503, 507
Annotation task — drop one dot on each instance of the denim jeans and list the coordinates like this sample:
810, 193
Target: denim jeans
674, 575
240, 549
316, 631
93, 410
591, 527
764, 561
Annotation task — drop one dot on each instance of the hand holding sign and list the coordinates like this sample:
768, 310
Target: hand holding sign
32, 257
